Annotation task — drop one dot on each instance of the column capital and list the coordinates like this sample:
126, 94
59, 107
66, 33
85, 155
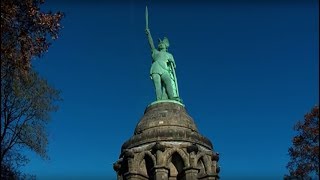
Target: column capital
189, 173
161, 172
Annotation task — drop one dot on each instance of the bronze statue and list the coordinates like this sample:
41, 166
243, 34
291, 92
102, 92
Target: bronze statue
162, 70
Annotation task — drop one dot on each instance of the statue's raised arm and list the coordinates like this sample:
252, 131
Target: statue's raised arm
148, 31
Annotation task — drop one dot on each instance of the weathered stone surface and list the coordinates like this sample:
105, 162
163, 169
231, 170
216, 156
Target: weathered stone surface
165, 122
165, 114
166, 145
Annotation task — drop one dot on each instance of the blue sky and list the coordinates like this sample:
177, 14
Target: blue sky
247, 72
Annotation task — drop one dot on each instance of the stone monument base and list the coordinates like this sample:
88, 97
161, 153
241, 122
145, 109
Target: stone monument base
166, 145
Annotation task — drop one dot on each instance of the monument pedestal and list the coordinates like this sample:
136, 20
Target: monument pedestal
166, 145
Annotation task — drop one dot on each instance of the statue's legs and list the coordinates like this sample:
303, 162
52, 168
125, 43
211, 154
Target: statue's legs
164, 93
157, 84
168, 84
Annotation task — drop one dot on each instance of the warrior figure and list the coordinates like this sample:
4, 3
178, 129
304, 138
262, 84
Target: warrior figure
162, 70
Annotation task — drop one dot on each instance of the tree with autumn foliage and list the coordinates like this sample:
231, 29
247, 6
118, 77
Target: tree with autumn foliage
26, 98
26, 32
304, 153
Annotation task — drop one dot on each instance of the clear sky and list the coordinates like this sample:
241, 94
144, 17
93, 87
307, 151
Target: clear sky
247, 72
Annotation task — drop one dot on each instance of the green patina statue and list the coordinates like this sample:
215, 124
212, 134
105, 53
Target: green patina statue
162, 70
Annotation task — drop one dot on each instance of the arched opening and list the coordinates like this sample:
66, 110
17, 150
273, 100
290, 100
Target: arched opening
176, 166
201, 167
145, 167
124, 168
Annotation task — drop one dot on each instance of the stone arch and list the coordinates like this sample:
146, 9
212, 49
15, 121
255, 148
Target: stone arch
145, 162
124, 167
205, 160
180, 152
200, 155
201, 166
141, 156
176, 166
176, 160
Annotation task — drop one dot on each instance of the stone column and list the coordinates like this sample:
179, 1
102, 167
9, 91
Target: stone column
160, 173
134, 176
190, 173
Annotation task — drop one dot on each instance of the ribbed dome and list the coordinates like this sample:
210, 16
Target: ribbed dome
166, 121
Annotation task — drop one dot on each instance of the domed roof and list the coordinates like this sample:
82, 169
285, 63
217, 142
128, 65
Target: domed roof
165, 114
166, 121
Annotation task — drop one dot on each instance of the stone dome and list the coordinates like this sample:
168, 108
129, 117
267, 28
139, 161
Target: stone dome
166, 121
